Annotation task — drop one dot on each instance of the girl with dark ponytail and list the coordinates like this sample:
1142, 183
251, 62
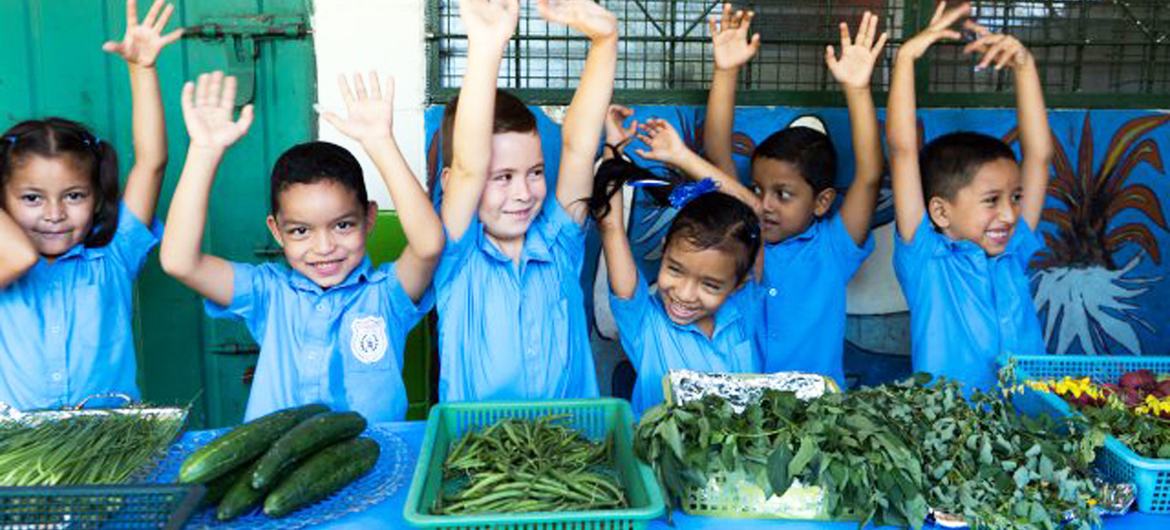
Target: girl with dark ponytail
71, 245
701, 317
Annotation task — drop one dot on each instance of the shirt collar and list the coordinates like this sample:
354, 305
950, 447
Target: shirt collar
536, 247
808, 233
364, 272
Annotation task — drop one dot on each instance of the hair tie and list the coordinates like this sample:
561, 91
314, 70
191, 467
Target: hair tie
11, 139
688, 192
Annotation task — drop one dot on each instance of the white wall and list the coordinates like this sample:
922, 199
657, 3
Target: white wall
387, 35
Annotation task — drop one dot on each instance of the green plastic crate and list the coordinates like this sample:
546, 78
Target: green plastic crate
1116, 461
596, 418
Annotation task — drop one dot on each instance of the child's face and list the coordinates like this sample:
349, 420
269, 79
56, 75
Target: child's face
789, 204
322, 228
694, 283
984, 211
52, 199
515, 187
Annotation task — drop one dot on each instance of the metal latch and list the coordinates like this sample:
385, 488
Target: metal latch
240, 34
235, 348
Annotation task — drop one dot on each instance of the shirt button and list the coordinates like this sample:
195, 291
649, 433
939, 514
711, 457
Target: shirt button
54, 329
772, 292
56, 376
312, 356
322, 307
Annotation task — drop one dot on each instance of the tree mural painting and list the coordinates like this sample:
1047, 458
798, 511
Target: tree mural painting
1084, 295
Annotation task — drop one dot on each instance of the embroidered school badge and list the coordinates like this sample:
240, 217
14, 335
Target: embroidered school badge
368, 342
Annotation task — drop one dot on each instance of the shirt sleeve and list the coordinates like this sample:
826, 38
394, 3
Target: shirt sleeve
1025, 243
133, 240
909, 257
250, 288
567, 234
404, 312
630, 316
850, 255
455, 252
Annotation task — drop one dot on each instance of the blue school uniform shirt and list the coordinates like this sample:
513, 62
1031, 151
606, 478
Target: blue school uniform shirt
804, 283
341, 346
655, 344
967, 308
65, 329
515, 330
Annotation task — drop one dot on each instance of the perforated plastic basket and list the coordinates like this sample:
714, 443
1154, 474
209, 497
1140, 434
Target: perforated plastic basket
595, 418
1115, 461
113, 507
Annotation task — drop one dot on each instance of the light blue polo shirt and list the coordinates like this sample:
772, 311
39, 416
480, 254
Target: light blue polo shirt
804, 284
340, 346
655, 344
967, 308
515, 330
65, 327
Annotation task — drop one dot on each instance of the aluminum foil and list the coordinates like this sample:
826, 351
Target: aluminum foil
740, 390
1114, 499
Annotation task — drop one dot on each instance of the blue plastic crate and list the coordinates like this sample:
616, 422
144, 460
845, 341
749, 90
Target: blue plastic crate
1115, 461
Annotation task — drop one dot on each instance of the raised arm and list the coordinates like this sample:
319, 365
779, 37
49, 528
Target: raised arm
586, 115
667, 146
140, 48
370, 121
732, 49
207, 110
853, 70
901, 122
489, 25
17, 253
1031, 114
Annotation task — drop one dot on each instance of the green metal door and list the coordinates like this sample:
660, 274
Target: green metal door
53, 65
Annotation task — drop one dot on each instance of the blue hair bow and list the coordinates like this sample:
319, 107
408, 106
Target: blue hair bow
688, 192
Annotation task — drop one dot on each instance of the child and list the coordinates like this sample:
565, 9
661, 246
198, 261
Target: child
331, 328
71, 247
703, 315
511, 310
961, 252
810, 253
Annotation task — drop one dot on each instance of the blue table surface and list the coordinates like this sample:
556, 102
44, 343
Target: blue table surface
389, 513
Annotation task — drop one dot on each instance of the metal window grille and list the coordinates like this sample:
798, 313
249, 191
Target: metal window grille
1091, 52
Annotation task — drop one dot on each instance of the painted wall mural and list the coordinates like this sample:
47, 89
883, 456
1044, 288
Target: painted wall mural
1098, 285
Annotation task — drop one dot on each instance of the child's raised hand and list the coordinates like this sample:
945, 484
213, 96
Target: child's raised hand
1003, 50
143, 42
371, 113
663, 140
586, 16
615, 133
940, 28
854, 67
207, 109
729, 38
490, 22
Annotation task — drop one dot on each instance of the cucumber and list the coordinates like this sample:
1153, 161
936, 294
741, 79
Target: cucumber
308, 437
242, 444
322, 474
240, 497
219, 486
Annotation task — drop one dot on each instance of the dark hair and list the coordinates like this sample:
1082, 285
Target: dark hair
312, 162
719, 221
810, 150
510, 115
711, 220
57, 137
948, 163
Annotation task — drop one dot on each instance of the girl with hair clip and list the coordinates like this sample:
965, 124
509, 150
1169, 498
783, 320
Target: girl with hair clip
71, 246
701, 317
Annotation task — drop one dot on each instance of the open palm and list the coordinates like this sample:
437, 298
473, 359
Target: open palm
370, 113
207, 110
855, 65
143, 42
586, 16
489, 21
729, 38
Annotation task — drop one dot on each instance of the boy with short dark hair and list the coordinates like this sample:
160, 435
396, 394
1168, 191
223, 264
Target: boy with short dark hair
966, 216
331, 327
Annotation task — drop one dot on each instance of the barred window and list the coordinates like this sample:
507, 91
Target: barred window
1113, 53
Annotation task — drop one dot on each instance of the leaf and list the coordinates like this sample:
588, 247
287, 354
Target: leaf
778, 475
803, 456
1021, 477
668, 430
